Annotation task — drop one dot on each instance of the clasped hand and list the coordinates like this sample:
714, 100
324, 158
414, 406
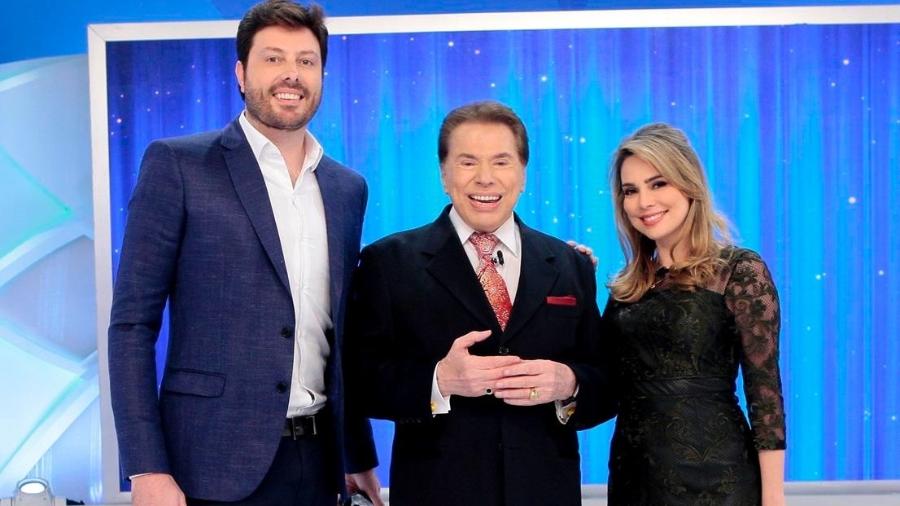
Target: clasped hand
516, 381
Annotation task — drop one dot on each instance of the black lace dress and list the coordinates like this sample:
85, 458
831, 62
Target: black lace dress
681, 438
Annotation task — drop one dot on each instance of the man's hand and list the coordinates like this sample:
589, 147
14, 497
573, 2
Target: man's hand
584, 250
533, 382
366, 481
460, 373
156, 489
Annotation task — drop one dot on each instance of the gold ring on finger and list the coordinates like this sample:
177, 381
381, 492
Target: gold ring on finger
533, 394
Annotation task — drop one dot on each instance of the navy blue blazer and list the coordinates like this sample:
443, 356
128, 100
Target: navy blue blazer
413, 294
201, 236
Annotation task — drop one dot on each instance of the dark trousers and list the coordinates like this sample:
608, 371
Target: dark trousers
302, 474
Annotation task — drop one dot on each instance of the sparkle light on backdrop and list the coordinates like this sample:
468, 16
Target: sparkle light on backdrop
799, 127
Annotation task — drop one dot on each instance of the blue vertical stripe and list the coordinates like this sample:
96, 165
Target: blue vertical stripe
798, 126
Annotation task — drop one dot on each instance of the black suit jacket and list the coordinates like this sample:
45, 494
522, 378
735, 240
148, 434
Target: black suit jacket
415, 293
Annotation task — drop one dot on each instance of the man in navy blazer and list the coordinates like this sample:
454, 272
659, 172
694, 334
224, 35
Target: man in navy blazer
250, 235
479, 336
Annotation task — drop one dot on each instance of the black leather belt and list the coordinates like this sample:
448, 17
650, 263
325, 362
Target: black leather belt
668, 387
301, 426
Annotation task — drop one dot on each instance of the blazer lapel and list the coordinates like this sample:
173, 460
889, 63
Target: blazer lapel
537, 277
332, 199
251, 190
450, 266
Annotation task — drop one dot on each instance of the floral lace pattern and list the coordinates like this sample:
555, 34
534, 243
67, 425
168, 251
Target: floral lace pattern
751, 297
681, 437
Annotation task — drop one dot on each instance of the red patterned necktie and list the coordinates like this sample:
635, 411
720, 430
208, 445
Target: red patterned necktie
491, 281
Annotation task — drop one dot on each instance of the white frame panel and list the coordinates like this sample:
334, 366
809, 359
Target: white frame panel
99, 35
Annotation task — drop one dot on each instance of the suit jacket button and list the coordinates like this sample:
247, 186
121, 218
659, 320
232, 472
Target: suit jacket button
287, 332
281, 387
503, 350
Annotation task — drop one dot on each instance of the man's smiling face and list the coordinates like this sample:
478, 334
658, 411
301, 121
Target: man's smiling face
483, 174
282, 81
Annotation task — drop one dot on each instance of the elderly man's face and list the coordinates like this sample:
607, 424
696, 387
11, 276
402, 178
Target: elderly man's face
483, 174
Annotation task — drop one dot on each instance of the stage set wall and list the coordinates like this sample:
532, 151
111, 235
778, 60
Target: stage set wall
799, 127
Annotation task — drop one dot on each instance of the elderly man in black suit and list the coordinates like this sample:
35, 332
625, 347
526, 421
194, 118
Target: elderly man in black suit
478, 336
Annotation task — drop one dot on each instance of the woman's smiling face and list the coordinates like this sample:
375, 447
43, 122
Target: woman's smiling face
654, 206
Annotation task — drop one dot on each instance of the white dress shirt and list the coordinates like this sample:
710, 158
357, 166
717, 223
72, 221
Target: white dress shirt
300, 218
510, 244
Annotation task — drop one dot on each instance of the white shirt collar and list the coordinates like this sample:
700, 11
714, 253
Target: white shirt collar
506, 233
261, 145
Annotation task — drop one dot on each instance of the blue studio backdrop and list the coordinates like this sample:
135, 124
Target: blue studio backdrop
799, 127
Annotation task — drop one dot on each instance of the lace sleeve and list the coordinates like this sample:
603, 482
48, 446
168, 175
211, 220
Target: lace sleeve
751, 296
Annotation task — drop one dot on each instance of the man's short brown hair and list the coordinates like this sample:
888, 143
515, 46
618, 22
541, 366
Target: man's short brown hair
284, 13
487, 111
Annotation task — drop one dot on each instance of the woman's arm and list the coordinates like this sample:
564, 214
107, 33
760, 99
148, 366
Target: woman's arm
753, 299
771, 468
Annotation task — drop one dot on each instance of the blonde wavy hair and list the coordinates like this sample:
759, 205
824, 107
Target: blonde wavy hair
706, 231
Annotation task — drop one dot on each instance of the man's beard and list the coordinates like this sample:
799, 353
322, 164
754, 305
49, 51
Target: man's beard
259, 107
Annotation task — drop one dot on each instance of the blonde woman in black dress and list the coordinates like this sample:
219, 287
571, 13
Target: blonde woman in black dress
687, 310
